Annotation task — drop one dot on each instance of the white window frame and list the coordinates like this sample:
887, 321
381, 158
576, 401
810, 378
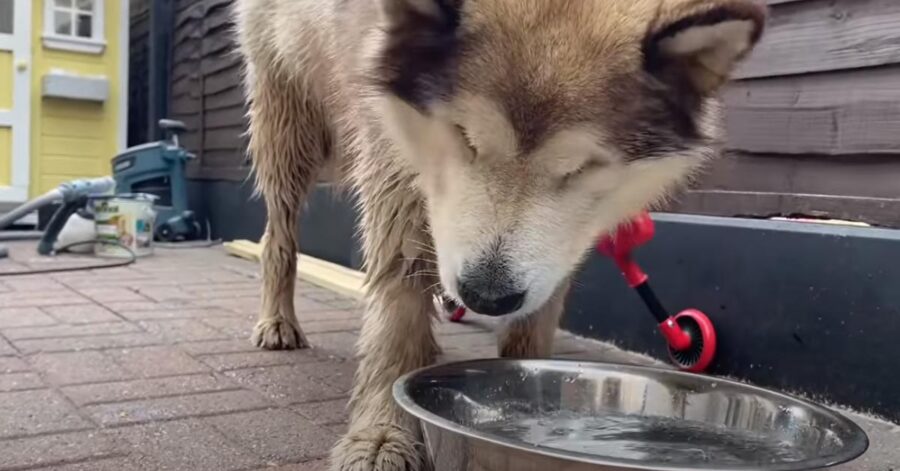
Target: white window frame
94, 45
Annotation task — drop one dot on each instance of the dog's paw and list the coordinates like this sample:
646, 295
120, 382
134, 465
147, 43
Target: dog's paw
278, 334
379, 448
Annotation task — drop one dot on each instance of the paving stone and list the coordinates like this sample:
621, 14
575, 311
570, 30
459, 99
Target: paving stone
20, 381
171, 313
24, 317
182, 330
325, 413
302, 304
327, 326
92, 342
29, 452
285, 384
345, 303
337, 429
235, 327
254, 359
78, 367
151, 362
126, 306
276, 435
164, 293
331, 315
341, 344
81, 314
111, 294
6, 348
24, 284
317, 465
13, 365
244, 306
37, 412
186, 445
122, 391
218, 346
167, 408
337, 373
13, 299
218, 292
244, 283
103, 464
57, 331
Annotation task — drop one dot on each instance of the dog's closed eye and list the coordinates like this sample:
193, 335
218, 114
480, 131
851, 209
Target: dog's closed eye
467, 140
586, 169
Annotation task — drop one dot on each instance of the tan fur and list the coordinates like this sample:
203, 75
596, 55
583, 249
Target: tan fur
525, 144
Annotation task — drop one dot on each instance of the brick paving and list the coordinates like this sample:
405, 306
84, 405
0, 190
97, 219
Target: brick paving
149, 367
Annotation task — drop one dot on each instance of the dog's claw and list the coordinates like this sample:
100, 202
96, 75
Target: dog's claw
278, 334
379, 448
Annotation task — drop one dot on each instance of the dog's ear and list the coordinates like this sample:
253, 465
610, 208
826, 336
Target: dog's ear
420, 48
410, 12
699, 43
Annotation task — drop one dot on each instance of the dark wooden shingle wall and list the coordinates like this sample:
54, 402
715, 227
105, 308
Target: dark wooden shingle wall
814, 118
206, 89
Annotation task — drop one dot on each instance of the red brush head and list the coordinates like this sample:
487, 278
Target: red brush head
627, 237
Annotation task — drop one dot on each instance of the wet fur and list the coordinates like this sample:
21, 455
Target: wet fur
512, 129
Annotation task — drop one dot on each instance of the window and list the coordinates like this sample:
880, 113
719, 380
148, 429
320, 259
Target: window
6, 16
74, 25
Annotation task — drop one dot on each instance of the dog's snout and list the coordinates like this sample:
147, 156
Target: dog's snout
490, 291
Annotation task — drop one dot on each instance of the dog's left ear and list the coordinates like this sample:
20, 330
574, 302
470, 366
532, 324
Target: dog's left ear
699, 43
410, 13
420, 46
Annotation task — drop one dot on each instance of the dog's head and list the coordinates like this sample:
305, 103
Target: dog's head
536, 125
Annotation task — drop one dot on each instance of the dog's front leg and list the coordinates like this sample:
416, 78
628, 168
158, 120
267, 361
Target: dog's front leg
532, 336
396, 338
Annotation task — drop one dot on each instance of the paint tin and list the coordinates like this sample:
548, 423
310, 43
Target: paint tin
126, 219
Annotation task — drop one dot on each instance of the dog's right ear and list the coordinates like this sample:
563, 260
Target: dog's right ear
420, 47
405, 12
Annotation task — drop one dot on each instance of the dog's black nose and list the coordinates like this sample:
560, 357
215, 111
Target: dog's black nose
485, 302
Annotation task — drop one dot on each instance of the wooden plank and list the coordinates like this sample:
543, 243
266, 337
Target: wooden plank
233, 117
222, 81
858, 176
849, 112
225, 157
227, 99
860, 188
316, 271
224, 138
823, 35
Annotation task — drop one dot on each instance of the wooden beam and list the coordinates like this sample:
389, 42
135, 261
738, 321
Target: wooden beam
823, 35
316, 271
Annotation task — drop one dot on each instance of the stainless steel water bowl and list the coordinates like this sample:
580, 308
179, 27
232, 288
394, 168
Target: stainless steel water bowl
537, 415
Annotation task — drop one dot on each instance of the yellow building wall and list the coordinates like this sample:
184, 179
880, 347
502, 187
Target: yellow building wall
6, 95
74, 139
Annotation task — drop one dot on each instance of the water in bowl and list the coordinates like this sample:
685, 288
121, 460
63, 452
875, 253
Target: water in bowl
639, 438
